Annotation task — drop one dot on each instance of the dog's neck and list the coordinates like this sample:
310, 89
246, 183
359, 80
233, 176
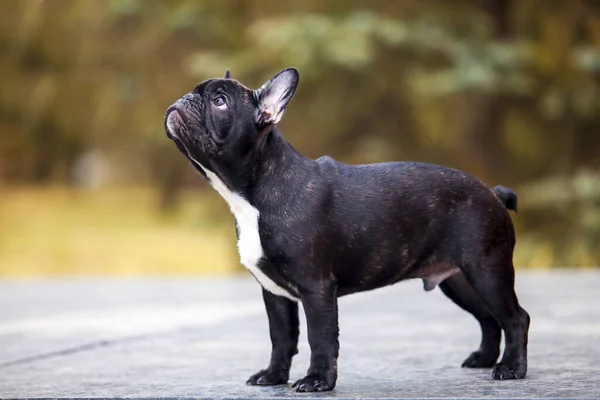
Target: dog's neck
270, 168
278, 168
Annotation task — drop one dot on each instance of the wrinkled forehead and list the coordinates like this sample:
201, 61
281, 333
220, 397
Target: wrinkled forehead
223, 86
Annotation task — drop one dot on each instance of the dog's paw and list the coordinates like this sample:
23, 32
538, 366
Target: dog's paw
479, 359
269, 376
314, 382
503, 371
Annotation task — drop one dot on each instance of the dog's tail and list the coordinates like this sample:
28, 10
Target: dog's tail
507, 196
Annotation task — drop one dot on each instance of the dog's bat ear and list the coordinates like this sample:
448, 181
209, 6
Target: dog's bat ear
274, 96
227, 74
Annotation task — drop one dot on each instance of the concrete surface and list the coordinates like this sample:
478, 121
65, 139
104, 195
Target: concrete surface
202, 338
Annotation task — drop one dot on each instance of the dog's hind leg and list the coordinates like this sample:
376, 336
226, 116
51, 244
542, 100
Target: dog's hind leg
494, 282
460, 292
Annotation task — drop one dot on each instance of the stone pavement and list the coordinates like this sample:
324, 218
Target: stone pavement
176, 338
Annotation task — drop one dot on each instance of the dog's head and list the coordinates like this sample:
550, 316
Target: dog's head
220, 123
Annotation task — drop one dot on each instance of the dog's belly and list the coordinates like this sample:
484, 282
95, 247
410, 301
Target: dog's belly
432, 275
436, 273
374, 260
249, 245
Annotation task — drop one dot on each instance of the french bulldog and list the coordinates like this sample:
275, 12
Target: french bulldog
311, 231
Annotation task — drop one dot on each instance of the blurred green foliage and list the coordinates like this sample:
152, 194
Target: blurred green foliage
506, 90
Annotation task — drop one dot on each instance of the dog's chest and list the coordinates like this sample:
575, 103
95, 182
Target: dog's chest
249, 245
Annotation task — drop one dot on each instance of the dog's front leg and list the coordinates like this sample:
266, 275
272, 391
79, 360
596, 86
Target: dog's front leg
284, 328
320, 306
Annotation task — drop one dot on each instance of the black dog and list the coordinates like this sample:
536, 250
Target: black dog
314, 230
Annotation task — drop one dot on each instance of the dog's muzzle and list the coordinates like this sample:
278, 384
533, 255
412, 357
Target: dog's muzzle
175, 116
174, 121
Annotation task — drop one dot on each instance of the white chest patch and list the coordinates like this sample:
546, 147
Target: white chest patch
249, 245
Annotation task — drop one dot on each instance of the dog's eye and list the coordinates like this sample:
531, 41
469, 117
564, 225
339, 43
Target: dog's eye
219, 102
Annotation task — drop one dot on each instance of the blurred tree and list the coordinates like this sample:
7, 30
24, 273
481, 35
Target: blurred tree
506, 90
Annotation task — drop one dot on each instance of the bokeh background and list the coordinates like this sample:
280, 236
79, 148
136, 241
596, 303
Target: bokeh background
507, 90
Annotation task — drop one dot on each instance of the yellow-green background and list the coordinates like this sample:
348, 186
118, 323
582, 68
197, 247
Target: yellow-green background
507, 90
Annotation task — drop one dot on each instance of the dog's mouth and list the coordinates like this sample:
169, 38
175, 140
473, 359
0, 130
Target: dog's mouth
176, 122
